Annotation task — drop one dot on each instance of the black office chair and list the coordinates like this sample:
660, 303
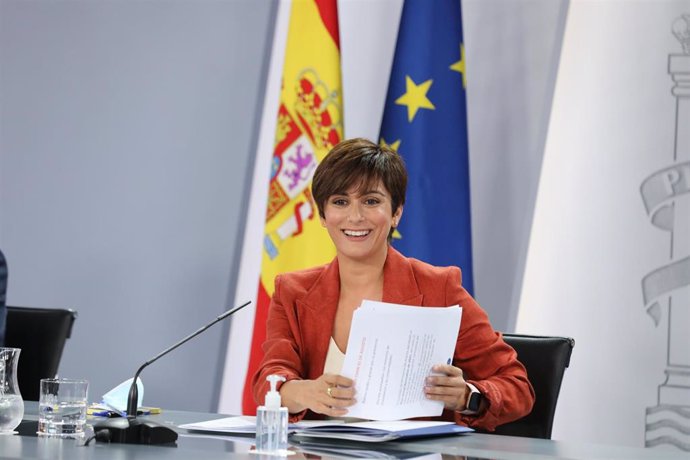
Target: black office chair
41, 334
545, 359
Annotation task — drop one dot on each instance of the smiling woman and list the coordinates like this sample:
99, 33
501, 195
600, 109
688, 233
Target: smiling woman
359, 189
357, 222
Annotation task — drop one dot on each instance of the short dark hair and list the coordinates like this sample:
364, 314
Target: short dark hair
359, 163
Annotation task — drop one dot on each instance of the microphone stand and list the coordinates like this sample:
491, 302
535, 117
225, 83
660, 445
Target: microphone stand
134, 431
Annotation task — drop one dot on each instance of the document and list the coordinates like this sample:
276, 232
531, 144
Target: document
233, 425
391, 351
382, 431
374, 431
245, 424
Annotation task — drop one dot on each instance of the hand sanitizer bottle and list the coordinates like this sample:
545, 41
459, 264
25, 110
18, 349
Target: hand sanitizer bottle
272, 422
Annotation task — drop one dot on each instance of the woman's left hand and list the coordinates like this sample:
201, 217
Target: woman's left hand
450, 388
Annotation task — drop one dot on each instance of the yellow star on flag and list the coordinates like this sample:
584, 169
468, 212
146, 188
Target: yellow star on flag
460, 65
393, 146
415, 97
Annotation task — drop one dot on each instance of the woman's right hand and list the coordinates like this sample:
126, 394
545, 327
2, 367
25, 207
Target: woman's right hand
329, 395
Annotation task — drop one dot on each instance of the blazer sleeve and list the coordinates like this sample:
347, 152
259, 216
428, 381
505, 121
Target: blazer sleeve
488, 363
282, 346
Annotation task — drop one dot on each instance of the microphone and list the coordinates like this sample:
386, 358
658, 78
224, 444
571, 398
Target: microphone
134, 431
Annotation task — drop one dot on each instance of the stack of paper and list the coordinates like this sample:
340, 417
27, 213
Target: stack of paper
382, 431
337, 429
246, 424
230, 425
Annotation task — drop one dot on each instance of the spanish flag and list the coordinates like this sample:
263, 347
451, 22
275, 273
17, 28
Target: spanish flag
309, 124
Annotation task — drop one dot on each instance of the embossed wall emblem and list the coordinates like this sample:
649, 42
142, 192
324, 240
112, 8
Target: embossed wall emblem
666, 289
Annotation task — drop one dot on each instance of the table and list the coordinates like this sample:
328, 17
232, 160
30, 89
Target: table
196, 446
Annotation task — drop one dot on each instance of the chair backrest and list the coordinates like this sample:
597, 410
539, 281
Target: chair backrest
41, 334
545, 359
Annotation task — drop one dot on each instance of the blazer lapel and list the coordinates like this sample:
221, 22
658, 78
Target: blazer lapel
316, 312
399, 283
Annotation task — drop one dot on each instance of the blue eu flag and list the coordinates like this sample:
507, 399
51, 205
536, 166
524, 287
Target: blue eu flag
425, 121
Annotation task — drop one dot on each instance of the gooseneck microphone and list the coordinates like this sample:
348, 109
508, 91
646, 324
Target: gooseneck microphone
130, 430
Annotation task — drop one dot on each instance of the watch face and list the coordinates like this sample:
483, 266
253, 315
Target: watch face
474, 402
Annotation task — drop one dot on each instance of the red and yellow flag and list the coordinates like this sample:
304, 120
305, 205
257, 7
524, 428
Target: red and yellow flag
309, 124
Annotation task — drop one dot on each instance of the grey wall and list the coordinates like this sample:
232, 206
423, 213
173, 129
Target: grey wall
125, 134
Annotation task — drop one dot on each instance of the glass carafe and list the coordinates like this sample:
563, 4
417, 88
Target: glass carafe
11, 403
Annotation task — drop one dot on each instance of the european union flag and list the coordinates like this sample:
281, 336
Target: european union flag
425, 121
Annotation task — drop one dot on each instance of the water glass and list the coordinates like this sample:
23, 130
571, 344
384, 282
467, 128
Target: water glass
11, 402
62, 407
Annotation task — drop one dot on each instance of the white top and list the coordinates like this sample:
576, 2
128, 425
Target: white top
334, 364
334, 359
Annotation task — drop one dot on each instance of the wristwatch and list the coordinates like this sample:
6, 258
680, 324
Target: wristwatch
474, 401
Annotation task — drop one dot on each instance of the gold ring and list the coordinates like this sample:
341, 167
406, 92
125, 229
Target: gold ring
329, 392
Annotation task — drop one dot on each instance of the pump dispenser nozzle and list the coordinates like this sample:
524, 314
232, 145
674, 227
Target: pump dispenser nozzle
272, 396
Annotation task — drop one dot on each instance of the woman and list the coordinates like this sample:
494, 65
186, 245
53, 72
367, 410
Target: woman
359, 189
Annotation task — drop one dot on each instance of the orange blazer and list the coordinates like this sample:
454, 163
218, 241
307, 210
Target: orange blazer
300, 324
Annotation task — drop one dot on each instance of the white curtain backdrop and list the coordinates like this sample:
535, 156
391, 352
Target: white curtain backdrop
593, 243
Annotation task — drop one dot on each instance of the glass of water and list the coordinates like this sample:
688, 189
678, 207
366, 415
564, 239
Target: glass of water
62, 407
11, 402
